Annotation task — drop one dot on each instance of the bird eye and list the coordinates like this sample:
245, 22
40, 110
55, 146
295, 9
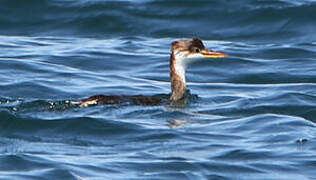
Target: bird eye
197, 50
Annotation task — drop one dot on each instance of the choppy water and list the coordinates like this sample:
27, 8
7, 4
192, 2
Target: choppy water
255, 113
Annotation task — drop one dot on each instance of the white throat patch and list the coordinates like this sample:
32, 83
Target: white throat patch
182, 60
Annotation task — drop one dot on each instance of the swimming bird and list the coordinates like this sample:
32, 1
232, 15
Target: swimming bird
183, 53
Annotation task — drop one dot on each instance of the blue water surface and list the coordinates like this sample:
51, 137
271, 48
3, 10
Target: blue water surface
254, 117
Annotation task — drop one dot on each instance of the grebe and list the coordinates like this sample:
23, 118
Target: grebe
183, 53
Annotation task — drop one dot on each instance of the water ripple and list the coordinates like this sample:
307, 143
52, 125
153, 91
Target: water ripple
251, 116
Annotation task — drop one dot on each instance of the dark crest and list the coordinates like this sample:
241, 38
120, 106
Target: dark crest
191, 45
196, 44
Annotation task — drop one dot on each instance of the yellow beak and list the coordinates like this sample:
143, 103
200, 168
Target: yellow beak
213, 54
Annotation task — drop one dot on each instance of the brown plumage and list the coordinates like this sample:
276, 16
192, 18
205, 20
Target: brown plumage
116, 99
183, 53
178, 83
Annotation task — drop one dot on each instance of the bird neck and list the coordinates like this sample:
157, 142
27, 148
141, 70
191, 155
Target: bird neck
177, 78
